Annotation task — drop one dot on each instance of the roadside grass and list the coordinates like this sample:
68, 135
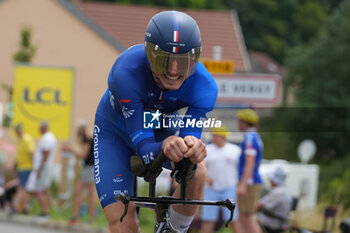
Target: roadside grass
62, 212
314, 219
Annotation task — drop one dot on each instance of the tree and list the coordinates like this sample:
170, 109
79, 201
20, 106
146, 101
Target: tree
319, 77
274, 26
26, 50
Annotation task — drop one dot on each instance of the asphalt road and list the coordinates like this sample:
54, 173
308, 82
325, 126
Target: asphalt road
12, 227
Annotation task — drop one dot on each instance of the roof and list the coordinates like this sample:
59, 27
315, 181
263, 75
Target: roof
126, 24
263, 63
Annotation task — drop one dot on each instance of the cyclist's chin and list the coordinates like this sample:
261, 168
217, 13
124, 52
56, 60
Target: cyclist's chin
169, 83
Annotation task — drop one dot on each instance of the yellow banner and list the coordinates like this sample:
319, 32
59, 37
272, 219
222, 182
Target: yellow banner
44, 94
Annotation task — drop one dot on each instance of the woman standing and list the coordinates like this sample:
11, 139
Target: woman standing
83, 151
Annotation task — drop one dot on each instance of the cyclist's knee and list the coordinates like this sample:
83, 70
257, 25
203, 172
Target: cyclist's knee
129, 225
113, 213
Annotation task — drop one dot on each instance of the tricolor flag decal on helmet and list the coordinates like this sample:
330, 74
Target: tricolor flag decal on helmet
176, 36
175, 39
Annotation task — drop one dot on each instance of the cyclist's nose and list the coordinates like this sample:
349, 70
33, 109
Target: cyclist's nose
173, 69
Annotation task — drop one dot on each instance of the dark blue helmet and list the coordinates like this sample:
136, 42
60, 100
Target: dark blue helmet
173, 36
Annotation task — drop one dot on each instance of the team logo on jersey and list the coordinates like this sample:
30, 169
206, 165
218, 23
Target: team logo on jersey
151, 120
127, 112
119, 192
118, 178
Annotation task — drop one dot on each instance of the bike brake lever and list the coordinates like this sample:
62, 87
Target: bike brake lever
125, 199
231, 206
230, 219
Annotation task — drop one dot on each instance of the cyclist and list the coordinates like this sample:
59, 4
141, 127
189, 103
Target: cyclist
161, 76
250, 181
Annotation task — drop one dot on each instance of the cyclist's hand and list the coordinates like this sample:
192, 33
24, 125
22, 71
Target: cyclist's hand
197, 150
174, 148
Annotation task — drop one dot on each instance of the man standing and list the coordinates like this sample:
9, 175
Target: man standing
249, 178
40, 178
25, 147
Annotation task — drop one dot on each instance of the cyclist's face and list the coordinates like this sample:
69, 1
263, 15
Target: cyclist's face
172, 80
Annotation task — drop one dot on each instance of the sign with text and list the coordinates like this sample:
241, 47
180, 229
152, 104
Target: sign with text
43, 93
249, 88
220, 66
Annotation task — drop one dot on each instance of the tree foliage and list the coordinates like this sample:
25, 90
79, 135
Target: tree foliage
26, 49
274, 26
25, 53
319, 77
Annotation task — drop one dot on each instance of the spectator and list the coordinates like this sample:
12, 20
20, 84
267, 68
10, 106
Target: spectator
40, 178
222, 178
8, 187
84, 151
25, 147
274, 208
250, 181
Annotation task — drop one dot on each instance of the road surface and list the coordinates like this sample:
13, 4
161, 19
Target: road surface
13, 227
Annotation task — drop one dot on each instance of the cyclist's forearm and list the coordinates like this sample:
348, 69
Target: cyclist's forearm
148, 149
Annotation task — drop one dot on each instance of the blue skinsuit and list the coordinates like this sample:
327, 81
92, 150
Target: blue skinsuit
119, 122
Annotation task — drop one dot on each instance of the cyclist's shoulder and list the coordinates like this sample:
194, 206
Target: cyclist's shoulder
203, 78
134, 51
201, 87
132, 59
129, 70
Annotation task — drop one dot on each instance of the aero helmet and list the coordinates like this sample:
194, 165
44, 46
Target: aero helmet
173, 36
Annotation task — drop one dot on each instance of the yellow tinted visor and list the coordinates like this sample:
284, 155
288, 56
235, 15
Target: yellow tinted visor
162, 62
